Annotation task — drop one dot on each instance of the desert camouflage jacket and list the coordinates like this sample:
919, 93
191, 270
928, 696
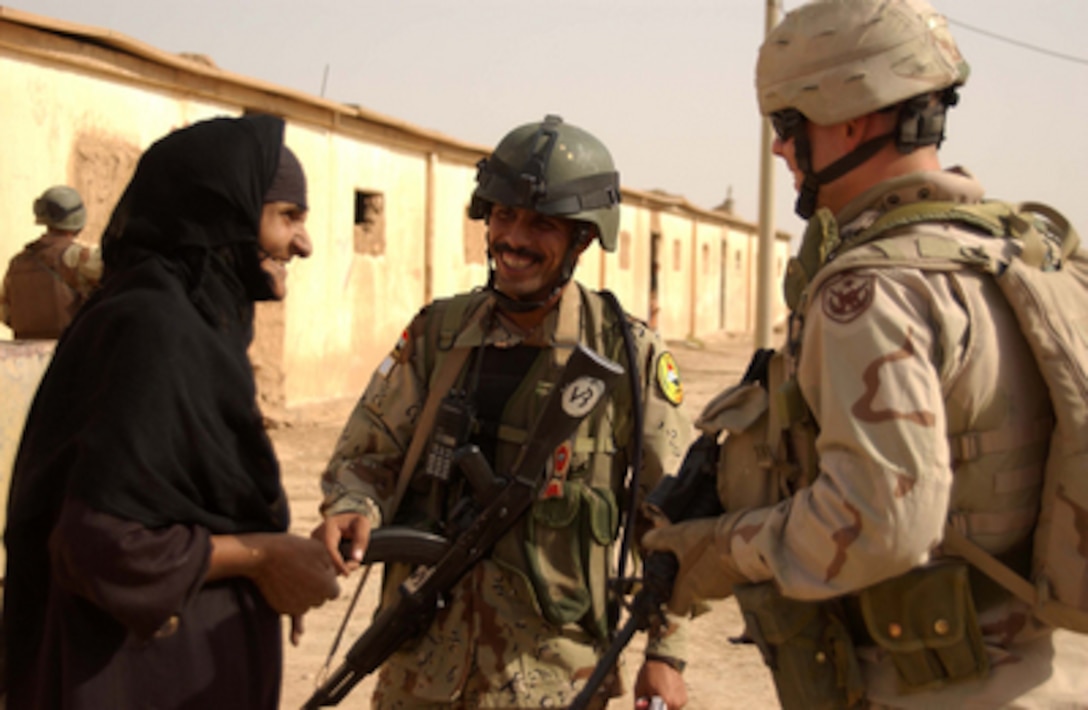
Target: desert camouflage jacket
504, 639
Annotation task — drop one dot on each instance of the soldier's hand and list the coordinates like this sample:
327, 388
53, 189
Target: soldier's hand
707, 570
293, 573
657, 679
351, 527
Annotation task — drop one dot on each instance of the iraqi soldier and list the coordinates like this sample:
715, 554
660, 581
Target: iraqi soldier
52, 277
905, 411
524, 627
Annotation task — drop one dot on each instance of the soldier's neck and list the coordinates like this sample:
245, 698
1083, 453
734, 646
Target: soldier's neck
529, 321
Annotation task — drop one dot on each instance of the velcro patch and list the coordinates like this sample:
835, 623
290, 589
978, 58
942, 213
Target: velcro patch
668, 379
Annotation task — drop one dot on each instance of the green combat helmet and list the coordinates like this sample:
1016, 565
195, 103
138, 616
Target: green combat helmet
555, 169
830, 61
60, 207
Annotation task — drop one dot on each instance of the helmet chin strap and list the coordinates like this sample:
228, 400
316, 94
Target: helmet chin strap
515, 305
920, 122
807, 197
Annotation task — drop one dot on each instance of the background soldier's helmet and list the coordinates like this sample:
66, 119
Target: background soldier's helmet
60, 207
555, 169
834, 60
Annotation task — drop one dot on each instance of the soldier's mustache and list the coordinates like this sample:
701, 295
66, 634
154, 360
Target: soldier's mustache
498, 249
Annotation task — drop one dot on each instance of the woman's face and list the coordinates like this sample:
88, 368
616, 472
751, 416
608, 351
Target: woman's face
283, 236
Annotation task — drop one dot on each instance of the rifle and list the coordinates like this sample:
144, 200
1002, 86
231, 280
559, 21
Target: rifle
496, 504
692, 493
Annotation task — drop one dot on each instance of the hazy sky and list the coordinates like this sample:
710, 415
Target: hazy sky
666, 84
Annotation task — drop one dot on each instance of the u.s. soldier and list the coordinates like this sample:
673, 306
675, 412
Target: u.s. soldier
523, 628
906, 400
51, 278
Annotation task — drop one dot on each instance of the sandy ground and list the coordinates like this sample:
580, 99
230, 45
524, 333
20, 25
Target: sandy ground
720, 674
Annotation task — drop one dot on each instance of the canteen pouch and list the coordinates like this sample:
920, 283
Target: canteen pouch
806, 645
926, 621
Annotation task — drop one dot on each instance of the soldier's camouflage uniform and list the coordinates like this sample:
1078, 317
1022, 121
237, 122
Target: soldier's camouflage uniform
929, 408
47, 283
492, 646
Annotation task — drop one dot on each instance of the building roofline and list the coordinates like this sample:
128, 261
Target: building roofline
322, 111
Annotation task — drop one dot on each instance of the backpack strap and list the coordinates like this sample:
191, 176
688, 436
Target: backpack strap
454, 318
1044, 235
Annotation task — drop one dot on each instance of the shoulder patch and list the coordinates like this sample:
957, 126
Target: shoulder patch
668, 379
847, 295
402, 350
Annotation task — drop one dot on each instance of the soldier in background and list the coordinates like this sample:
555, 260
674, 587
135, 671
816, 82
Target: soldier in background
51, 278
907, 399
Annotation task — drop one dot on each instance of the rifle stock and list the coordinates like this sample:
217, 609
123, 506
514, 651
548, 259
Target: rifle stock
585, 380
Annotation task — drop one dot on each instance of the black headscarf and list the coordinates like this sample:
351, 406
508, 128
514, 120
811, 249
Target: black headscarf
148, 410
196, 198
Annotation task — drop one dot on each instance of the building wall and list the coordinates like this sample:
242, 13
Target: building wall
706, 281
75, 128
21, 366
674, 276
627, 271
736, 274
356, 292
87, 108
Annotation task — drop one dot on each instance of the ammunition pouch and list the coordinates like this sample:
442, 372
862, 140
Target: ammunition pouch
926, 621
567, 540
806, 644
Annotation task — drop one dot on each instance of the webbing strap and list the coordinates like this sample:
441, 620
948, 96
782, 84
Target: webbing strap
452, 362
993, 523
1054, 613
582, 444
439, 387
957, 543
971, 445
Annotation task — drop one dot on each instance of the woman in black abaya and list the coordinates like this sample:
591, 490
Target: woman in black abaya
148, 561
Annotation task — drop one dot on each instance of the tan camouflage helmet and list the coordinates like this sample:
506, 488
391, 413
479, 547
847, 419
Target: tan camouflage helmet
834, 60
60, 207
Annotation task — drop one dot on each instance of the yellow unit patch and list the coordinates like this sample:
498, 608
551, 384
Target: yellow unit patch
668, 379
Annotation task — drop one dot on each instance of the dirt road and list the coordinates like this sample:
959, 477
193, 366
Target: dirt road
720, 675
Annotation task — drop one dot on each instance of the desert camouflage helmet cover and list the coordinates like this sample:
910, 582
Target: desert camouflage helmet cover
60, 207
553, 168
834, 60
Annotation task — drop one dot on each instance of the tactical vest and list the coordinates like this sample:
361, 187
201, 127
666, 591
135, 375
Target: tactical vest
42, 304
561, 547
1035, 261
1044, 279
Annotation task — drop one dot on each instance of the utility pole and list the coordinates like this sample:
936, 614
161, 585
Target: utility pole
765, 264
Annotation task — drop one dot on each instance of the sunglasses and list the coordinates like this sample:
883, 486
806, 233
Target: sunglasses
787, 123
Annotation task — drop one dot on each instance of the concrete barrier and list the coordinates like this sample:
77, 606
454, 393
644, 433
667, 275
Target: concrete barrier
22, 363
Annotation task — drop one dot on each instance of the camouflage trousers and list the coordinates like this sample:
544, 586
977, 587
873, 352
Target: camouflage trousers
489, 648
476, 695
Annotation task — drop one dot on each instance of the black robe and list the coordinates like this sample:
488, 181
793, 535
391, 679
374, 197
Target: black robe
144, 439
